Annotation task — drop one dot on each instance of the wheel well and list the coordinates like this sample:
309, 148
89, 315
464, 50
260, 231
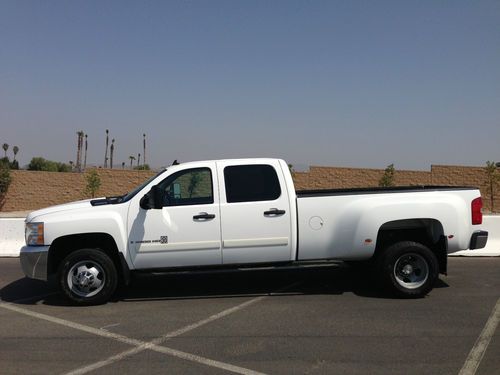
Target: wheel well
65, 245
428, 232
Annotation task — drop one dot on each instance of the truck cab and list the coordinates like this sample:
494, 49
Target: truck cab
214, 213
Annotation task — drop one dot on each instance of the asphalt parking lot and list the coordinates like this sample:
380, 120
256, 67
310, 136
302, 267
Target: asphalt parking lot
310, 321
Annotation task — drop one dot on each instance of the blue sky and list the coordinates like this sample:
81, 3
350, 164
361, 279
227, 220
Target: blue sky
346, 83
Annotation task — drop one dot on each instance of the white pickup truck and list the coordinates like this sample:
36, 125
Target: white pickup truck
246, 213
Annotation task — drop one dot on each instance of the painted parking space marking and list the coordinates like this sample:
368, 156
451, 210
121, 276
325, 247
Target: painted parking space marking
69, 324
139, 344
477, 352
178, 332
169, 351
154, 345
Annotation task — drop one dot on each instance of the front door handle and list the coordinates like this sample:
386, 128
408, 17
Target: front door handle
203, 216
274, 212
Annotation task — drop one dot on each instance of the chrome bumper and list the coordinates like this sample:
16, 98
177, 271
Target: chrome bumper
34, 261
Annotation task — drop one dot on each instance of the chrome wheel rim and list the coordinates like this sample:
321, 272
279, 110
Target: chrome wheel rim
86, 278
411, 271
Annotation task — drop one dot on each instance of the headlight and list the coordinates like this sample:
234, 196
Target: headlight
34, 234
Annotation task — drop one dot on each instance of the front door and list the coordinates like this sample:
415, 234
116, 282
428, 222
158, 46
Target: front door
186, 231
255, 213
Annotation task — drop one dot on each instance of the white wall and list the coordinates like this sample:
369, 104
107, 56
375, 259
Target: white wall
12, 237
491, 224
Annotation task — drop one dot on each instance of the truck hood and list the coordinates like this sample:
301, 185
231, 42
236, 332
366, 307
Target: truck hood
61, 207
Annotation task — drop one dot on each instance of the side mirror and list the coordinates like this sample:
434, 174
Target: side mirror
153, 199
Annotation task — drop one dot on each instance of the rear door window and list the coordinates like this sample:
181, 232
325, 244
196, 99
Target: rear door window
251, 183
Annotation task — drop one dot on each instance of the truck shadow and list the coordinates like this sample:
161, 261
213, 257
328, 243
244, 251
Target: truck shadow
308, 281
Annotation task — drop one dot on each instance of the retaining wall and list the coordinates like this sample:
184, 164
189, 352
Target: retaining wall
32, 190
442, 175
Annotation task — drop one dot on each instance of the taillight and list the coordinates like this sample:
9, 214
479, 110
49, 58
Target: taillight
477, 214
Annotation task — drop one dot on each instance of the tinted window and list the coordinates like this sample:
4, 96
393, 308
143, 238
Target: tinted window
250, 183
191, 186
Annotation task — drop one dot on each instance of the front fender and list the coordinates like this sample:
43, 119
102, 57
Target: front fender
107, 219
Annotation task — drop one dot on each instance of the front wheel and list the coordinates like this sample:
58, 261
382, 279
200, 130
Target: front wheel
88, 277
409, 269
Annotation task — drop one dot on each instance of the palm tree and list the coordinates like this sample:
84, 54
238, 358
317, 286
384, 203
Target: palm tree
82, 134
138, 159
144, 146
106, 153
5, 148
112, 150
15, 150
85, 157
132, 158
123, 165
77, 148
79, 151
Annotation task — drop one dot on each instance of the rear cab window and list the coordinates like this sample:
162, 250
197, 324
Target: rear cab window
251, 183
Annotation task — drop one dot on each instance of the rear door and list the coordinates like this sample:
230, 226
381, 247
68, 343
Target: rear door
255, 212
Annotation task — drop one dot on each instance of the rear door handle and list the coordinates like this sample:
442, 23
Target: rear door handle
204, 216
274, 212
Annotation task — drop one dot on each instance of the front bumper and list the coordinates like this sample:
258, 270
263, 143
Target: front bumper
34, 261
478, 240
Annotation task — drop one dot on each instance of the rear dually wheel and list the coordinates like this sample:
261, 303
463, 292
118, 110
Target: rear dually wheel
409, 269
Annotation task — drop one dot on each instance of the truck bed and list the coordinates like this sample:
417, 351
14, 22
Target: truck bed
344, 223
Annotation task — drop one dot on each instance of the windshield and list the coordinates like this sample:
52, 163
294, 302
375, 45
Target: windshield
130, 195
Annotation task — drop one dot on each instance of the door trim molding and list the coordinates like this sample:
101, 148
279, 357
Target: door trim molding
179, 246
256, 242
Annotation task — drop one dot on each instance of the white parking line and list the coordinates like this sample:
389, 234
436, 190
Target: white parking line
67, 323
152, 345
168, 351
139, 344
476, 354
178, 332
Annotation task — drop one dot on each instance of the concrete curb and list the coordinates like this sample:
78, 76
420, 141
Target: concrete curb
12, 237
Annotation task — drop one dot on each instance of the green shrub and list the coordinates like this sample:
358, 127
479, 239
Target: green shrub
93, 183
41, 164
387, 179
5, 177
144, 167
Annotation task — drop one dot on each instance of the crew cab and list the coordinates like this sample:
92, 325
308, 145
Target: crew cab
246, 213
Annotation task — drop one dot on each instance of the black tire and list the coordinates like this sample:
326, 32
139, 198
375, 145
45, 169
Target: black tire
408, 269
94, 277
